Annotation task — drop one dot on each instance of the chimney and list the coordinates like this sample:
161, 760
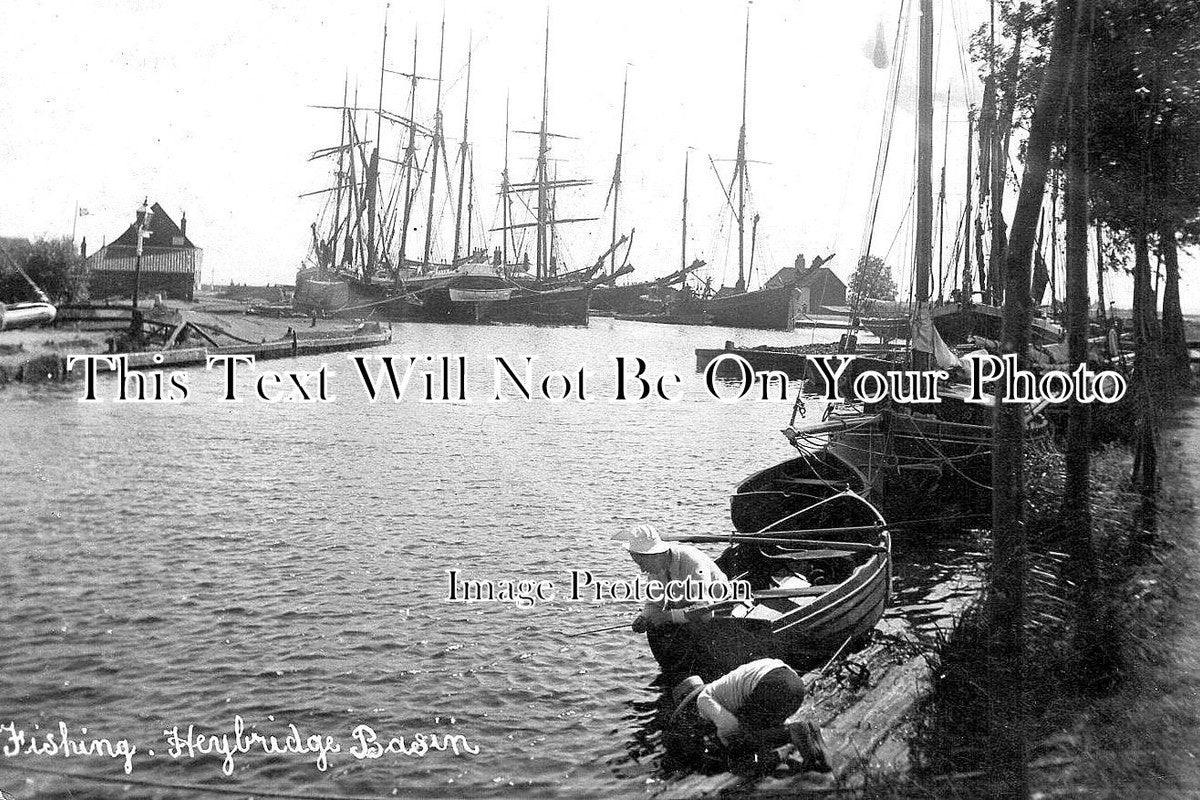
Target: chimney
83, 248
183, 224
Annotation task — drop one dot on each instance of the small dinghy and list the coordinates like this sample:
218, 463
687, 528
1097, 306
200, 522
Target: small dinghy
26, 315
820, 579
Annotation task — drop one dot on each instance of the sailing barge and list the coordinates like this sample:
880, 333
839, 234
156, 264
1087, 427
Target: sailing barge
774, 307
957, 323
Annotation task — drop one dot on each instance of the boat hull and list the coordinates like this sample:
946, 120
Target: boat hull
569, 306
771, 309
887, 328
468, 297
957, 324
768, 496
629, 299
913, 459
26, 315
845, 599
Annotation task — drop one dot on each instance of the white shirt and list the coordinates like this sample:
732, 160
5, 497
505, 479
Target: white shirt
720, 700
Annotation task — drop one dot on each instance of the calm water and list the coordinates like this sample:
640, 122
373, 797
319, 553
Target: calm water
182, 564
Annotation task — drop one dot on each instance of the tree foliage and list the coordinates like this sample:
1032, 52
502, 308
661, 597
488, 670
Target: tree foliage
872, 280
1145, 122
53, 264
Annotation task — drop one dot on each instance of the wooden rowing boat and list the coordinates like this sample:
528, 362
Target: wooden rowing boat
820, 578
781, 490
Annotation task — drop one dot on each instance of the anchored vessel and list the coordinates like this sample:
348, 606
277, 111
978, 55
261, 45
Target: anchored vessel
361, 264
772, 307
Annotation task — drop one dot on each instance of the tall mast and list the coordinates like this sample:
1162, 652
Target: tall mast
373, 167
753, 239
741, 166
504, 190
617, 172
942, 197
470, 198
552, 264
437, 143
382, 70
1103, 313
462, 157
965, 295
924, 232
543, 149
683, 229
337, 205
410, 163
355, 207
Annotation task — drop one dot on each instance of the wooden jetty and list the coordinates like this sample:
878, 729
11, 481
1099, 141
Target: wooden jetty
45, 360
288, 348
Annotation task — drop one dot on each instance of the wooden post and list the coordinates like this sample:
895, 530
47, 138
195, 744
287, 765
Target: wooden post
923, 247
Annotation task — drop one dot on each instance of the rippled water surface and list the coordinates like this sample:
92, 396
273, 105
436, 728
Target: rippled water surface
183, 564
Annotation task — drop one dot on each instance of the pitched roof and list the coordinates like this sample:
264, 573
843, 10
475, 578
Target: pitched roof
788, 275
163, 233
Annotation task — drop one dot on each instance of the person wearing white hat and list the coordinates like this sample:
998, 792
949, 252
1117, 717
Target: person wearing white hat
666, 563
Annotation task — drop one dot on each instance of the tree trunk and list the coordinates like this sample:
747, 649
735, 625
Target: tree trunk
1000, 141
1092, 649
1146, 337
1008, 756
1174, 341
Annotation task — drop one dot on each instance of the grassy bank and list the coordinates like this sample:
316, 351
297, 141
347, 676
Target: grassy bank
1117, 735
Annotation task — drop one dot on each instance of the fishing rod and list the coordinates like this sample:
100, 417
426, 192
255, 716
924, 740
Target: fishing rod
598, 630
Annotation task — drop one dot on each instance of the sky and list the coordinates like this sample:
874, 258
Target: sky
207, 108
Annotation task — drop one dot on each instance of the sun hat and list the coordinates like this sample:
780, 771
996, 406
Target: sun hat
643, 539
685, 692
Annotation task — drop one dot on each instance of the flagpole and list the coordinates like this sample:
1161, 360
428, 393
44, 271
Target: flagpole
74, 222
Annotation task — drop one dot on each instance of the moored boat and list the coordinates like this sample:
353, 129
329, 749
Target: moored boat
773, 308
820, 579
919, 456
26, 315
957, 323
30, 313
645, 297
887, 328
776, 492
